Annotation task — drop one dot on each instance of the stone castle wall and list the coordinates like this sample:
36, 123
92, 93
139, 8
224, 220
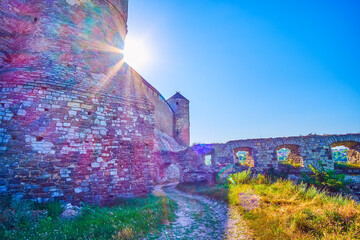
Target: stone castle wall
69, 145
76, 122
164, 114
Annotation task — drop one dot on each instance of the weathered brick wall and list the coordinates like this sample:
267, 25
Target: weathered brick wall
164, 115
75, 122
71, 145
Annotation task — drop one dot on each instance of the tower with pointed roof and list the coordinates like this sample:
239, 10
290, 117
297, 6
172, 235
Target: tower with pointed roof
180, 106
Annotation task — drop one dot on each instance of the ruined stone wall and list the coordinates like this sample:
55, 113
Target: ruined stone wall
75, 121
311, 149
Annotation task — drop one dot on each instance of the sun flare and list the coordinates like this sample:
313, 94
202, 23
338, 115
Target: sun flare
136, 53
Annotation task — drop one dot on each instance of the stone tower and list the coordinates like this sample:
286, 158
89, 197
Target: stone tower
180, 106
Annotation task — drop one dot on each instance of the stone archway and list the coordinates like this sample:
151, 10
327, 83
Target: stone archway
244, 156
289, 153
352, 150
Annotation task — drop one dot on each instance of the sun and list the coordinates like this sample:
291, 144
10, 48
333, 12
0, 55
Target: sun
137, 53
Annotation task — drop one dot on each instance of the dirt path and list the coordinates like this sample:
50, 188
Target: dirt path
200, 218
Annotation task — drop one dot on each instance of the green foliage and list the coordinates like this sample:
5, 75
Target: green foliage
327, 179
15, 215
240, 177
5, 202
127, 220
54, 209
340, 155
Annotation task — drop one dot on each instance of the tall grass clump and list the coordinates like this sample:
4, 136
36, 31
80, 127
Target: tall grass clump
241, 177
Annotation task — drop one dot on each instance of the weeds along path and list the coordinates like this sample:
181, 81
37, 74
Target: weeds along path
200, 218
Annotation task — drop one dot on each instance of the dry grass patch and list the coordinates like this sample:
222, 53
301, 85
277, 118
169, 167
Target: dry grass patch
289, 211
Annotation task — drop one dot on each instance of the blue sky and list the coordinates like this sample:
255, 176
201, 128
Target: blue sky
255, 68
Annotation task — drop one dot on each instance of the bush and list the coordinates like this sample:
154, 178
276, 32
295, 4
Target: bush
326, 179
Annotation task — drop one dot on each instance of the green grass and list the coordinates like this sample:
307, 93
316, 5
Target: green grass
346, 165
131, 219
290, 211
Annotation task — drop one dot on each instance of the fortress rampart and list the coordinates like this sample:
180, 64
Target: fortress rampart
76, 122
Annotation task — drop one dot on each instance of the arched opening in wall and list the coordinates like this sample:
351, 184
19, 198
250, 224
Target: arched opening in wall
208, 160
244, 156
346, 154
289, 154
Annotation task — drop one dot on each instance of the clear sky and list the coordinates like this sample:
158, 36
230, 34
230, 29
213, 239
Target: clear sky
255, 68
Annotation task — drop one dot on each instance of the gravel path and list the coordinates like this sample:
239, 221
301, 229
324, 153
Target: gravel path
200, 218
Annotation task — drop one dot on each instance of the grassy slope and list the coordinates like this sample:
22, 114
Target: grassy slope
287, 210
128, 220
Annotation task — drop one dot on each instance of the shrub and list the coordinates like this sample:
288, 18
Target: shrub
326, 179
